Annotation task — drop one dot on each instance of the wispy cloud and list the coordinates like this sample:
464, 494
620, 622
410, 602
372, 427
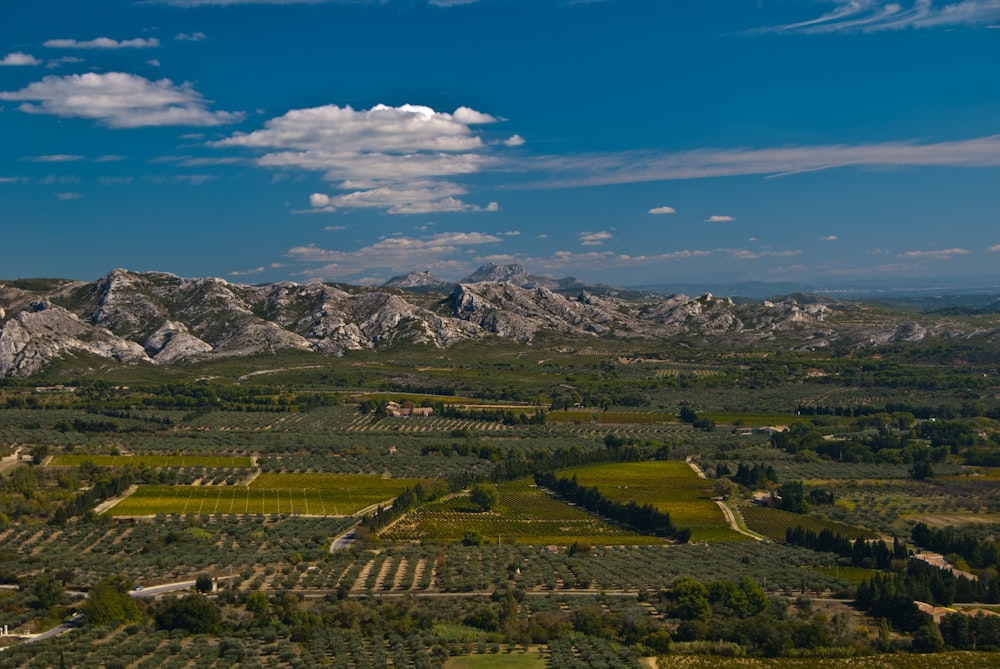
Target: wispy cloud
53, 158
394, 158
746, 254
190, 37
643, 166
662, 210
995, 248
869, 16
248, 272
119, 100
940, 254
55, 63
829, 238
103, 43
19, 59
594, 238
441, 252
717, 218
69, 196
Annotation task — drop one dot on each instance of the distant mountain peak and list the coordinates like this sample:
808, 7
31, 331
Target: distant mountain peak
416, 280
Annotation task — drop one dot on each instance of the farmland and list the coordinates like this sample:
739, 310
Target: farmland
239, 486
297, 494
669, 486
524, 515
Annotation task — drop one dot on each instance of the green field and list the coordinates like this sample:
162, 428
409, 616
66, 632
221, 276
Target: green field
670, 486
299, 494
207, 461
524, 515
773, 523
610, 417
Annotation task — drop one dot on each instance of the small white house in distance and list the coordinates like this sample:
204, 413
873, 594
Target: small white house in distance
398, 410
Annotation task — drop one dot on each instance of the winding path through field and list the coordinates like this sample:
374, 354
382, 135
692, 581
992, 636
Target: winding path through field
726, 511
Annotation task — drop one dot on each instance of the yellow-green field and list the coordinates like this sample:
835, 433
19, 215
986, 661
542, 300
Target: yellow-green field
670, 486
210, 461
301, 494
524, 515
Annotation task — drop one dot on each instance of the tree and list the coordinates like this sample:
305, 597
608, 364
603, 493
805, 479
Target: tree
484, 496
203, 583
48, 591
109, 602
723, 488
193, 613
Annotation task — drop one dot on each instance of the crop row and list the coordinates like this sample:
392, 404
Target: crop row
773, 523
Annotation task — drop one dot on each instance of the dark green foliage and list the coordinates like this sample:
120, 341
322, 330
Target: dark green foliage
108, 602
194, 613
977, 554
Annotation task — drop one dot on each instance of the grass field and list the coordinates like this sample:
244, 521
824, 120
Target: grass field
669, 485
524, 515
302, 494
207, 461
773, 523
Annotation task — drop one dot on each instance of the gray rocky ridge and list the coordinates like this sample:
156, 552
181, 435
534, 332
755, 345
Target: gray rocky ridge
160, 319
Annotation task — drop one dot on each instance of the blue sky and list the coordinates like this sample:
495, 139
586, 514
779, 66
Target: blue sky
622, 141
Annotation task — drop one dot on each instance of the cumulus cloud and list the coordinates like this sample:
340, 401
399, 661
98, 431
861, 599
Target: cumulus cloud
869, 16
118, 100
716, 218
663, 210
103, 43
829, 238
18, 59
514, 140
392, 158
594, 238
190, 37
940, 254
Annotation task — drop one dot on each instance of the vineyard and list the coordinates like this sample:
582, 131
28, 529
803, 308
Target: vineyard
296, 494
155, 461
524, 515
773, 523
670, 486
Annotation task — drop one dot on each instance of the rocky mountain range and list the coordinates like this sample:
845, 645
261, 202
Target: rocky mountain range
161, 319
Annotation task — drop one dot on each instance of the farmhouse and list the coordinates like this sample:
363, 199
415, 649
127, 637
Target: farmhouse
399, 410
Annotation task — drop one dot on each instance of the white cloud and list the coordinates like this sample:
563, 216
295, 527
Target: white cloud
394, 254
386, 157
11, 180
155, 62
65, 60
940, 254
869, 16
422, 197
745, 254
53, 158
663, 210
645, 166
995, 248
115, 181
514, 140
103, 43
829, 238
190, 37
716, 218
594, 238
110, 158
119, 100
18, 59
247, 272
